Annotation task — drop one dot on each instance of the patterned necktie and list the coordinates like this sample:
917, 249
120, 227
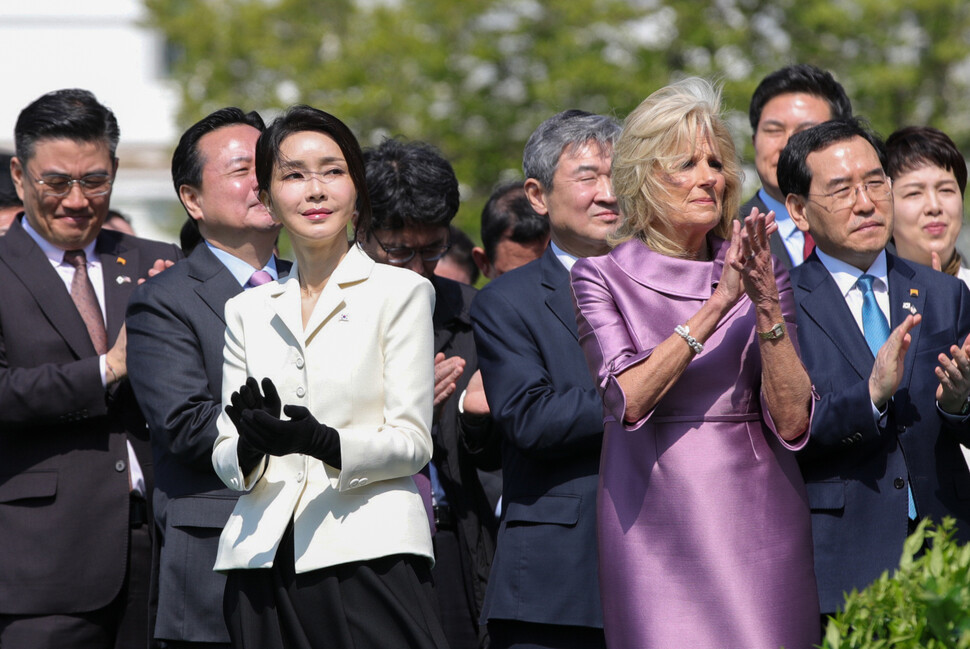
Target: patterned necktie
259, 278
874, 325
809, 246
86, 301
876, 330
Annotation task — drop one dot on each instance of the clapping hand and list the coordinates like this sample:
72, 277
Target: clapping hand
249, 398
954, 375
301, 433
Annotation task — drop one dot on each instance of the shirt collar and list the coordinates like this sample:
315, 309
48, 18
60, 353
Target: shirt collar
241, 270
564, 257
846, 275
786, 225
55, 254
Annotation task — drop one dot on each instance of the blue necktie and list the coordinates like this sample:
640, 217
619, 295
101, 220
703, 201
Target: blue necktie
876, 330
874, 325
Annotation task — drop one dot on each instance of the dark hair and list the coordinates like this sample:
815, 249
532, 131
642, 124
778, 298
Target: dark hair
794, 176
189, 236
8, 193
912, 147
508, 214
803, 78
460, 252
301, 118
187, 162
561, 132
409, 183
73, 114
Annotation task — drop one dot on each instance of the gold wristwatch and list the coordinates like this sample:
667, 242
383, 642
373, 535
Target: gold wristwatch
774, 333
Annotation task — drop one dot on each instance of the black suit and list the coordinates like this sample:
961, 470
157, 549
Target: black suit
64, 491
457, 471
856, 472
544, 577
176, 336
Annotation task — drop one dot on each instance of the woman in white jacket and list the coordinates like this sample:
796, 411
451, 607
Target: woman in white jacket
330, 546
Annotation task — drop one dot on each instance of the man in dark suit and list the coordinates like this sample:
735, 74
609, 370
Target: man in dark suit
787, 101
75, 464
414, 197
175, 339
544, 588
881, 339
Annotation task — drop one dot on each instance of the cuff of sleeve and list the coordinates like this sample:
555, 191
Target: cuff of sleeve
103, 367
950, 417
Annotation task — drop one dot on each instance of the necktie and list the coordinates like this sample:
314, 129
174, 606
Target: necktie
809, 245
86, 301
876, 330
259, 278
874, 325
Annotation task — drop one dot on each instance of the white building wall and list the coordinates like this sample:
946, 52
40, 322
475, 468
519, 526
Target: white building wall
101, 46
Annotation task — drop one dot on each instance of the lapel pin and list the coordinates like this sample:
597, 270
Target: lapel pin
914, 292
344, 318
908, 306
122, 261
123, 279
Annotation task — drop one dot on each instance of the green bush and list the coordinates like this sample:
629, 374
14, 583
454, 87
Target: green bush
925, 604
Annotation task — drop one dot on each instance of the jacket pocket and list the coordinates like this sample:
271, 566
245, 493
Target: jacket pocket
200, 512
827, 495
556, 510
33, 484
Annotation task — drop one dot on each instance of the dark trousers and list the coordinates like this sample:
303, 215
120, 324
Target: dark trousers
123, 624
513, 634
455, 609
381, 603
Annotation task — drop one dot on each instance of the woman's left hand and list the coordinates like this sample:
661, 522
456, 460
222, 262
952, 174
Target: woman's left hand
753, 259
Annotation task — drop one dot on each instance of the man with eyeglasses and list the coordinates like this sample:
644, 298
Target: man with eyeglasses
885, 342
75, 462
414, 197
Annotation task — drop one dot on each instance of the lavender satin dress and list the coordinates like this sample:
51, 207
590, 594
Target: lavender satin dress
703, 522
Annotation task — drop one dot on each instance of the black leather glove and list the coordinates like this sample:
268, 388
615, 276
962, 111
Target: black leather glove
248, 397
302, 433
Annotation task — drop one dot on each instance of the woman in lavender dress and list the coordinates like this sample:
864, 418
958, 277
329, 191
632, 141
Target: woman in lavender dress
704, 537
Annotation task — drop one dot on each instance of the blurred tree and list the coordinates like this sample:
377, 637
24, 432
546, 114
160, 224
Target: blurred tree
476, 77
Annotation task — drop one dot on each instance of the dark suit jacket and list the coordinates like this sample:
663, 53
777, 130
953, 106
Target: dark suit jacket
542, 397
856, 472
777, 245
457, 467
176, 336
64, 495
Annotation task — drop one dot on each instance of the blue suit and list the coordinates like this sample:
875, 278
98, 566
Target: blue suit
856, 473
543, 399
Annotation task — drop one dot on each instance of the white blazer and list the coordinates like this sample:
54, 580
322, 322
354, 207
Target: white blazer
364, 365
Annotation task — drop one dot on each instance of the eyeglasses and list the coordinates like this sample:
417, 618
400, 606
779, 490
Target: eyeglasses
60, 185
304, 176
844, 198
404, 254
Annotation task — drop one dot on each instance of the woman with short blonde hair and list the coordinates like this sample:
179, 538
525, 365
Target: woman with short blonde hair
703, 522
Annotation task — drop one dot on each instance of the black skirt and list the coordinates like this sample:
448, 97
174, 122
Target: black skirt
381, 603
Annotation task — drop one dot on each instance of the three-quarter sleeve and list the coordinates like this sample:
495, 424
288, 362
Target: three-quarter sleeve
607, 342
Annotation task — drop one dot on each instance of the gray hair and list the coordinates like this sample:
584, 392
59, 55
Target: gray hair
568, 129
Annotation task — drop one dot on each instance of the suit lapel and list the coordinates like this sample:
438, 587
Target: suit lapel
216, 284
32, 267
555, 278
906, 296
119, 268
825, 305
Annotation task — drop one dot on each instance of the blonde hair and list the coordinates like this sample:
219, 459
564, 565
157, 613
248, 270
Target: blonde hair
655, 138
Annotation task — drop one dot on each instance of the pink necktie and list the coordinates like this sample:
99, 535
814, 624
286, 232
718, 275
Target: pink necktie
259, 278
86, 301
